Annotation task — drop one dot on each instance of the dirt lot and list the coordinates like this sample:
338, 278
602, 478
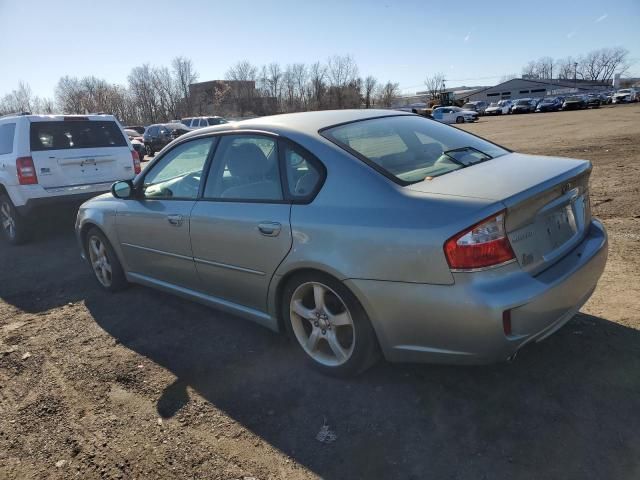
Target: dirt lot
145, 385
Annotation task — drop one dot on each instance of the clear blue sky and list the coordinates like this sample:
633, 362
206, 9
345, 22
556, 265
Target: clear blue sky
471, 42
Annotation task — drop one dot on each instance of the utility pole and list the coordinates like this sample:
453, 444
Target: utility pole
575, 74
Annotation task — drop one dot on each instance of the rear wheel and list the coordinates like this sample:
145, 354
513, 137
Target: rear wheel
329, 324
15, 228
149, 150
104, 262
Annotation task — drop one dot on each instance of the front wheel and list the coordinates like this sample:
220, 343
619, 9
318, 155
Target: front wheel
15, 228
329, 324
104, 261
149, 150
459, 119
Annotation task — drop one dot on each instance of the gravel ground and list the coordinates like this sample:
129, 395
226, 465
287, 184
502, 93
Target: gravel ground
146, 385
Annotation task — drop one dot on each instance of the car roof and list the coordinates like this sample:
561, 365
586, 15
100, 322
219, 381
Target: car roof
60, 118
308, 123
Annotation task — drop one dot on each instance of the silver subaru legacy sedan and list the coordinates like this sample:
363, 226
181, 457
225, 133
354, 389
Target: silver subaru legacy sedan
359, 233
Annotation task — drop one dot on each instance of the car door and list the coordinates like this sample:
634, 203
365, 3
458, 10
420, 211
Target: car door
153, 228
240, 230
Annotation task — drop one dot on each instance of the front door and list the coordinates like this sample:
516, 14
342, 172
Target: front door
153, 229
240, 229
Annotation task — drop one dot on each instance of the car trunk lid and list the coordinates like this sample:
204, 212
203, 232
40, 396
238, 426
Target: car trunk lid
546, 198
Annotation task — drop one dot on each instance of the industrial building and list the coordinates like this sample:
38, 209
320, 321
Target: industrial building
534, 88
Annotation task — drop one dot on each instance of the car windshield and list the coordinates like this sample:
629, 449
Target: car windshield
468, 105
523, 102
410, 149
574, 99
624, 91
494, 104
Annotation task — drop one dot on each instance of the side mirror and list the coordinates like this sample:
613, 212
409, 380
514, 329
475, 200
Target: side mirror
122, 189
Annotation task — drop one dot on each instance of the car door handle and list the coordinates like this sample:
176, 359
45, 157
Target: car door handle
269, 229
175, 219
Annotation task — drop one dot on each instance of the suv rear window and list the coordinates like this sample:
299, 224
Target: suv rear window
408, 149
75, 134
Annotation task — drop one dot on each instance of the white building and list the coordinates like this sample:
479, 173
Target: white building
534, 88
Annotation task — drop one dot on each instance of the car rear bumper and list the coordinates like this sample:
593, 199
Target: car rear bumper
463, 323
28, 199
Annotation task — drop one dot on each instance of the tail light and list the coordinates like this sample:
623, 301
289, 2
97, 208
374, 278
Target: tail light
482, 245
26, 171
136, 162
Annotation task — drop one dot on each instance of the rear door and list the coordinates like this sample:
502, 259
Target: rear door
79, 151
240, 230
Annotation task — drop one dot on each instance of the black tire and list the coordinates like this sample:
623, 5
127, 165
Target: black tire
118, 278
149, 150
15, 228
365, 352
459, 119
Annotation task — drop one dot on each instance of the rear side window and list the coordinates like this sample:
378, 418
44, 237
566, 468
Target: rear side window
75, 134
7, 132
303, 175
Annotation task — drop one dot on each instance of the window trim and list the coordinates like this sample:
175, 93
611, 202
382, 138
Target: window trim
309, 157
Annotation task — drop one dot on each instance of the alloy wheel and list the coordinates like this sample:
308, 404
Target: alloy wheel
100, 261
7, 220
322, 324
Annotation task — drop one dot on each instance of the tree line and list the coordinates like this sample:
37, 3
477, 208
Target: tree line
161, 93
597, 65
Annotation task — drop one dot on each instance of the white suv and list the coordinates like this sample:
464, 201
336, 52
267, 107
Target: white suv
47, 159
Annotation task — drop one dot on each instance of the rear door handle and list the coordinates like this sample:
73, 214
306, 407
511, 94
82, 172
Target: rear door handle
175, 219
269, 229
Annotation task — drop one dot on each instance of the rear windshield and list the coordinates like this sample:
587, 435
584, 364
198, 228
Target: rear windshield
75, 134
408, 148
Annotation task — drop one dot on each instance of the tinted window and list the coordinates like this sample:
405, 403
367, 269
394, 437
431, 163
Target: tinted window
303, 175
411, 148
178, 173
75, 134
6, 138
153, 131
245, 168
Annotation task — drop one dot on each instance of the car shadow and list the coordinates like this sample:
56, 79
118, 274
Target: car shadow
566, 406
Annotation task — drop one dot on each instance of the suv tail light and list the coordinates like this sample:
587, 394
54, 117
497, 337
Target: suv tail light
26, 171
136, 162
484, 244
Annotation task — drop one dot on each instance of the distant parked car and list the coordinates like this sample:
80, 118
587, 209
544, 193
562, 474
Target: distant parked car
52, 159
201, 122
499, 108
454, 115
478, 106
524, 105
549, 105
138, 128
575, 102
158, 135
594, 100
625, 95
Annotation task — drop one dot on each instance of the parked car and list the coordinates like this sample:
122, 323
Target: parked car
499, 108
157, 136
625, 95
574, 102
477, 106
138, 128
549, 105
358, 229
53, 159
454, 115
593, 100
523, 105
201, 122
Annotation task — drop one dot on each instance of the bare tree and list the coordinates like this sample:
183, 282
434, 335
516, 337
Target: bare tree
435, 85
370, 84
342, 71
317, 85
184, 75
602, 64
387, 93
242, 81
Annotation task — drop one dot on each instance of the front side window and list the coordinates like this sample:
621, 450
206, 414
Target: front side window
7, 132
177, 175
245, 167
409, 148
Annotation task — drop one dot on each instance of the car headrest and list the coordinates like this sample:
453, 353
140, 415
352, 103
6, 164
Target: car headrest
247, 160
